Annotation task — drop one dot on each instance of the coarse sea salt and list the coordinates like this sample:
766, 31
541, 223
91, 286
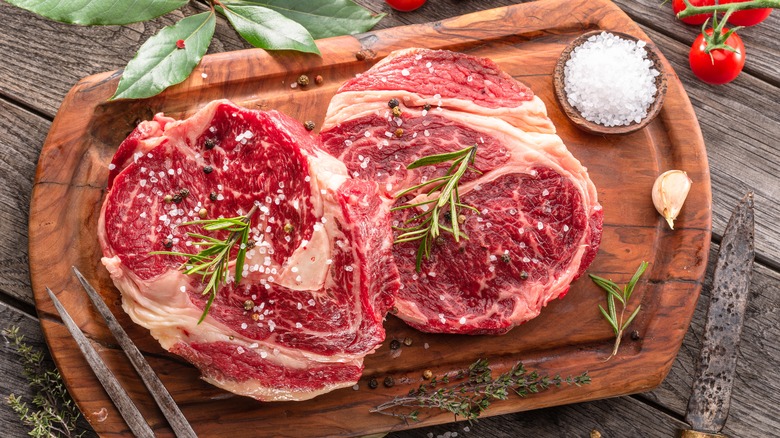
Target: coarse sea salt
610, 80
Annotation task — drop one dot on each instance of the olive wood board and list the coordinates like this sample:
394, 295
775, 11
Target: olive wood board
568, 338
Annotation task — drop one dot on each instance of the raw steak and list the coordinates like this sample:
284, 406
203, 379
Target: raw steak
317, 282
539, 224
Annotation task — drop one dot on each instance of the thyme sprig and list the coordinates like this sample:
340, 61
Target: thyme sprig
212, 263
51, 412
468, 393
614, 292
428, 225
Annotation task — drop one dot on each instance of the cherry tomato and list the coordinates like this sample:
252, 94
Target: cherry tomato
719, 66
748, 17
405, 5
679, 5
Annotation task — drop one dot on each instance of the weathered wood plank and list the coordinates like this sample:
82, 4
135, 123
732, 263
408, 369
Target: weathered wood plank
21, 137
760, 41
741, 126
757, 385
617, 417
12, 369
43, 59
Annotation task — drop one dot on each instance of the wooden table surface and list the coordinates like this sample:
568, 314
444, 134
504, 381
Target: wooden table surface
41, 60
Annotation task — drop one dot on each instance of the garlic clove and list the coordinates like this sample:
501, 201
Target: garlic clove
669, 192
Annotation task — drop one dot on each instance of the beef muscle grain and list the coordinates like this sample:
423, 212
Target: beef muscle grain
539, 221
318, 279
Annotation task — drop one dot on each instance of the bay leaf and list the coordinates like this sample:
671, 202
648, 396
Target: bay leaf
160, 63
268, 29
322, 18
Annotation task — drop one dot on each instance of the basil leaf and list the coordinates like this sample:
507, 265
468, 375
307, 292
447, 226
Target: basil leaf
90, 12
267, 29
159, 63
322, 18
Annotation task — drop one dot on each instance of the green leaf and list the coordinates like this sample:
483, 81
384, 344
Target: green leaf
630, 286
159, 63
90, 12
610, 287
631, 318
439, 158
241, 254
268, 29
609, 319
322, 18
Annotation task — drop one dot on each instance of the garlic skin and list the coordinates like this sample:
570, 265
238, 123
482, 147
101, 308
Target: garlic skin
669, 192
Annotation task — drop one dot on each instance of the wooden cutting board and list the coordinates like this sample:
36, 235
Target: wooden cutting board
570, 336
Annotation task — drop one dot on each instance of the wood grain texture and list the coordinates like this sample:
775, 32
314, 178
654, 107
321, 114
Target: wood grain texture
73, 167
740, 121
760, 41
12, 369
38, 51
756, 387
21, 138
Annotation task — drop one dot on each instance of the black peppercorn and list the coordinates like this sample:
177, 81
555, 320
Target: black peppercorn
208, 169
309, 125
635, 335
393, 103
524, 275
389, 381
505, 258
184, 193
177, 198
427, 107
209, 144
373, 383
213, 196
394, 344
168, 243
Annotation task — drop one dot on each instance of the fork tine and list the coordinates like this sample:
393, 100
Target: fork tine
118, 395
181, 427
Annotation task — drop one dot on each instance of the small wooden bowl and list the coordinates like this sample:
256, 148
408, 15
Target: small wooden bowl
594, 128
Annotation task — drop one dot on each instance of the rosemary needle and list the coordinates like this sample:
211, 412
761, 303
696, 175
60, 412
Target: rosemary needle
213, 261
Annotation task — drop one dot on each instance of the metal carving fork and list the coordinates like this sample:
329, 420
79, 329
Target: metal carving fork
140, 428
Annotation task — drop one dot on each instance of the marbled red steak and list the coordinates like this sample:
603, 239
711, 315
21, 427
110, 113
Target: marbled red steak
539, 221
317, 282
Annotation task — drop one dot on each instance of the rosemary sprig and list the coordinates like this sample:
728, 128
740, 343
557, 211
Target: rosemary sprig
51, 412
428, 224
213, 261
468, 393
614, 292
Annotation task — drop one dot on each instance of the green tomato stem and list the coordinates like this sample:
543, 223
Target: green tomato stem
754, 4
